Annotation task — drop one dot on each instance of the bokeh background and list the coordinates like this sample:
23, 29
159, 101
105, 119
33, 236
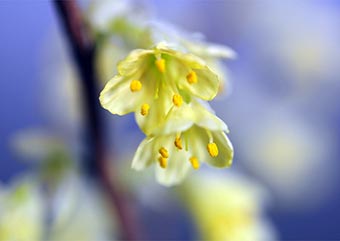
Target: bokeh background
280, 102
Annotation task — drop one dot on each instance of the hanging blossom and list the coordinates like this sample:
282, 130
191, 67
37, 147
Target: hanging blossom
166, 89
190, 136
151, 82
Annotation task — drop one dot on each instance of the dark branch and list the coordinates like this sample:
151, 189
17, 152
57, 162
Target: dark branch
83, 50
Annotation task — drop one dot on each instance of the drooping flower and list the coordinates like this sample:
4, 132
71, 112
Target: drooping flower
151, 82
189, 137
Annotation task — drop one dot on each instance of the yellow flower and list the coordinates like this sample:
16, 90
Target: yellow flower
189, 137
227, 208
151, 82
21, 212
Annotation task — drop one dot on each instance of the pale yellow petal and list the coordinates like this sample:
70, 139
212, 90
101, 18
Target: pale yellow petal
199, 140
207, 84
134, 62
225, 151
206, 118
118, 98
178, 166
159, 107
145, 155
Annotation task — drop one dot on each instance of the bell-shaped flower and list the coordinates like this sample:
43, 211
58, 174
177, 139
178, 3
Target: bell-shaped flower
191, 135
158, 79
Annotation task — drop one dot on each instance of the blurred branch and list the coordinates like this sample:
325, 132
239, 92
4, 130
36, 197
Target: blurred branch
83, 50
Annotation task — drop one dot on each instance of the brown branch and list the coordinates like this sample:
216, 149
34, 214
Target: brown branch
83, 50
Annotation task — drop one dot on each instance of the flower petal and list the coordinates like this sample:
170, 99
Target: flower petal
184, 117
177, 120
211, 50
117, 97
208, 82
145, 155
159, 107
199, 140
207, 85
205, 117
134, 62
177, 169
225, 149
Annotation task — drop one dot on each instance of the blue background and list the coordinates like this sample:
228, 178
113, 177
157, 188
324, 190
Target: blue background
24, 27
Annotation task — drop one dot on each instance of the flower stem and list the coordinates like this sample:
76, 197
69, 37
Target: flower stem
83, 51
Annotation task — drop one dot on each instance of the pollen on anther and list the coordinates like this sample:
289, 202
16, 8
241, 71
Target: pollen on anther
212, 149
194, 162
178, 143
164, 152
192, 77
144, 110
177, 100
162, 161
135, 85
160, 63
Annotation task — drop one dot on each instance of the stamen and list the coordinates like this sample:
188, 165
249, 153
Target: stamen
194, 162
144, 110
192, 77
177, 100
135, 85
212, 149
162, 161
178, 143
160, 63
164, 152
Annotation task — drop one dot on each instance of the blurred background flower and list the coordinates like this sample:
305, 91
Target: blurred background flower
228, 207
282, 112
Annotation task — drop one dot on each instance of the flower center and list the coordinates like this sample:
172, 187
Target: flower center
212, 149
192, 77
135, 85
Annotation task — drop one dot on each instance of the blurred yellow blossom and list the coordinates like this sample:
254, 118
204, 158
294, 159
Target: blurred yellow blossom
21, 212
228, 208
81, 212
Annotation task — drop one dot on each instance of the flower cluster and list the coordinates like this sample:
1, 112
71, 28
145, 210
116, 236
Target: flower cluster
166, 90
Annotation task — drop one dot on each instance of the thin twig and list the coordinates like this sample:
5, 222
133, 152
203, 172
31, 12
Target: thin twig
83, 50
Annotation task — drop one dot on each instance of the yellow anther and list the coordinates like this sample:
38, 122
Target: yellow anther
192, 77
162, 161
144, 110
177, 100
194, 162
178, 143
164, 152
135, 85
212, 149
160, 63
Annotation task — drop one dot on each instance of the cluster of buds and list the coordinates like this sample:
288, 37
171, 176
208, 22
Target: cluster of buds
168, 91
